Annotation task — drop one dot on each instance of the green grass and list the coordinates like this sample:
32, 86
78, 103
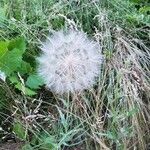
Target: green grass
112, 115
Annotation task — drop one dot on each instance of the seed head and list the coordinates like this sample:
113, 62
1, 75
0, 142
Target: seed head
69, 61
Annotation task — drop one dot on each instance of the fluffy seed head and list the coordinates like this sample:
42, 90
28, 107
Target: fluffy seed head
69, 61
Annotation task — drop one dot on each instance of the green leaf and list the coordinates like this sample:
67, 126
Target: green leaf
25, 90
19, 130
18, 85
25, 68
18, 43
11, 55
14, 79
11, 61
34, 81
3, 48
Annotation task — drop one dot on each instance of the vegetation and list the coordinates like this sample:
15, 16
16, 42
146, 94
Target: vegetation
114, 114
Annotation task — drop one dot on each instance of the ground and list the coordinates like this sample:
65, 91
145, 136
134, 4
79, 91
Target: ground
11, 146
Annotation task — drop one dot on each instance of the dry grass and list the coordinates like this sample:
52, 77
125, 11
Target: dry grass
114, 114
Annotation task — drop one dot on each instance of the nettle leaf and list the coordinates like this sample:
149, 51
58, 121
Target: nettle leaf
11, 61
18, 43
14, 79
25, 90
11, 55
18, 85
3, 48
34, 81
25, 68
13, 65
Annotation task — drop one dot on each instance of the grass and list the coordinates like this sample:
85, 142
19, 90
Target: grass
112, 115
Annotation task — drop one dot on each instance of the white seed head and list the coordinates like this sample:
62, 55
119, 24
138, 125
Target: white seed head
69, 61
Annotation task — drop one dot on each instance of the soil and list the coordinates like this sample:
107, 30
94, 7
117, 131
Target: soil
11, 146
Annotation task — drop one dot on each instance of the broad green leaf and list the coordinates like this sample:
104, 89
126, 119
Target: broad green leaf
25, 68
11, 61
34, 81
25, 90
18, 43
21, 87
29, 92
11, 55
19, 130
3, 48
14, 79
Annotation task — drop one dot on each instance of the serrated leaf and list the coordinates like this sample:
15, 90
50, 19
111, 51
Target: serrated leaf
11, 55
29, 92
34, 81
21, 87
11, 61
3, 48
25, 90
14, 79
25, 68
18, 43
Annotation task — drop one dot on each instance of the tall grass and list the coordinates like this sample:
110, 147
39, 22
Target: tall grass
114, 114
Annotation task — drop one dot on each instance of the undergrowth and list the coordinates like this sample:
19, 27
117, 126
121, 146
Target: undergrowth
114, 114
